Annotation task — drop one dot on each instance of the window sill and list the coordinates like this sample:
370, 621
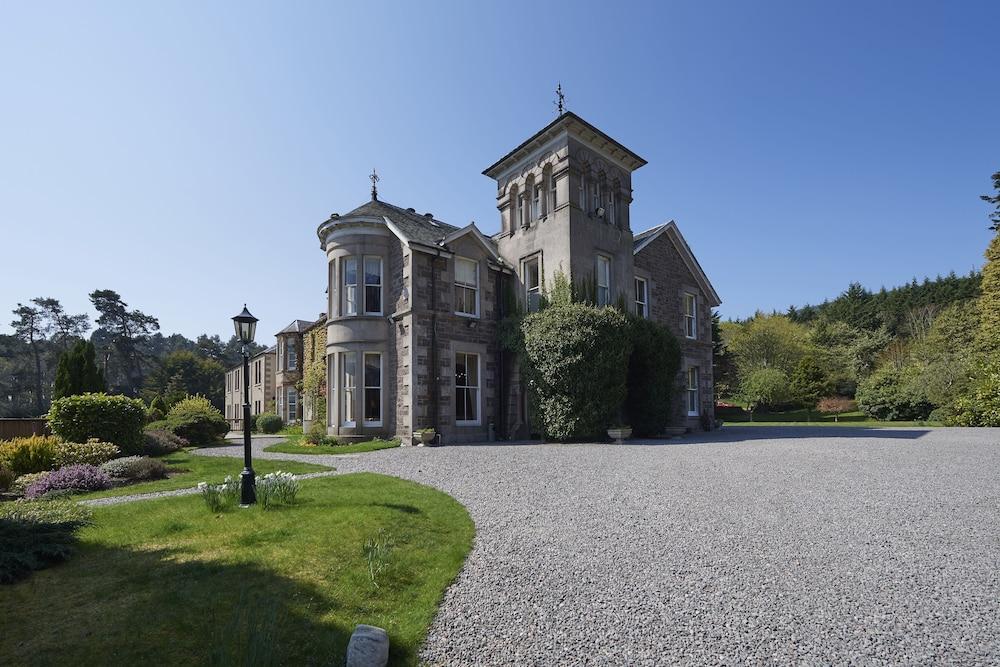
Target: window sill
468, 315
468, 424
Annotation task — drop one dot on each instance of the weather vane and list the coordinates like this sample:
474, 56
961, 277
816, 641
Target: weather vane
374, 179
560, 101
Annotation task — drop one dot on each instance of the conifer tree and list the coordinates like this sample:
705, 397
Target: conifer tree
78, 372
988, 341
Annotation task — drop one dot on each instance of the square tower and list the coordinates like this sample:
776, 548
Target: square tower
564, 197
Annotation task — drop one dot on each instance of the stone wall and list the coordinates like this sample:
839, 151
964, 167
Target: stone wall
669, 279
439, 333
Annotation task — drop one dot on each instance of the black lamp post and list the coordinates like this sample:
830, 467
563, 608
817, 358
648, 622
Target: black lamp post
246, 326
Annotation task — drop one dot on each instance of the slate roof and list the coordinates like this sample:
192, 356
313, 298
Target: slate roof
415, 226
642, 236
297, 326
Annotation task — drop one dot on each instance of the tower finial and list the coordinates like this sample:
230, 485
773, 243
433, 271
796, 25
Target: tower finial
560, 99
374, 179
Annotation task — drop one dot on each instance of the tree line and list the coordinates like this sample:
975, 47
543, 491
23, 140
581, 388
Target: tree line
50, 353
922, 350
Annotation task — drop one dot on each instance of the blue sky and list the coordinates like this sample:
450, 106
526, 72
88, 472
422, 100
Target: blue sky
169, 150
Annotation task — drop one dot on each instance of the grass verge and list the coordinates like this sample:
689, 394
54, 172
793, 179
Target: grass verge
186, 469
296, 445
167, 582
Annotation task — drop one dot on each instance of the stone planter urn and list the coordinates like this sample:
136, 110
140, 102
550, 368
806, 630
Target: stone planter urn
424, 437
620, 433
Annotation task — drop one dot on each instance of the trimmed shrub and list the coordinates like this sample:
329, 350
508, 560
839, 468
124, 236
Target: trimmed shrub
886, 396
35, 535
36, 453
158, 443
196, 420
652, 377
115, 419
92, 452
576, 362
253, 423
135, 468
78, 477
269, 422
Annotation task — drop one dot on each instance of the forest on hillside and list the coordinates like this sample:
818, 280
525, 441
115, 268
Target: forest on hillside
131, 354
924, 350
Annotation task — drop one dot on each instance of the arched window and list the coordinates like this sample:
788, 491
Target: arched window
512, 219
553, 192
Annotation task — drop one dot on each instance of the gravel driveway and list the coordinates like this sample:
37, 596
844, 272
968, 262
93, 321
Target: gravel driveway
752, 544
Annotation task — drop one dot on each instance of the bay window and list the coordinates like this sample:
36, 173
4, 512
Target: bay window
603, 280
466, 287
349, 383
293, 405
351, 286
373, 389
467, 389
373, 285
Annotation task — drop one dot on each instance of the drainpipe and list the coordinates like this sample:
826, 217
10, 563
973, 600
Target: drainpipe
432, 360
501, 423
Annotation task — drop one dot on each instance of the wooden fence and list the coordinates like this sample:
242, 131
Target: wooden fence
19, 428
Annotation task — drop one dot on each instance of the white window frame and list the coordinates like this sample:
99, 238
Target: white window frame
553, 193
367, 387
469, 387
380, 284
349, 390
605, 262
535, 291
459, 285
642, 305
583, 193
350, 288
291, 404
520, 210
536, 201
690, 315
693, 399
293, 356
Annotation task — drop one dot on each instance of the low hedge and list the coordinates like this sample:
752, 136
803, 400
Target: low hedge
91, 452
269, 422
115, 419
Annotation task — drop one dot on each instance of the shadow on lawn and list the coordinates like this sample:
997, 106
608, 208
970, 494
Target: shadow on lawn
119, 606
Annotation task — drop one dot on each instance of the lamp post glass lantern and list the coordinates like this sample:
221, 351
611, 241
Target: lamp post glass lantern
246, 327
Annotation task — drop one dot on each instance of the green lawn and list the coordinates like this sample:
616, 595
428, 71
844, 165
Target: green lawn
806, 418
295, 445
167, 582
187, 469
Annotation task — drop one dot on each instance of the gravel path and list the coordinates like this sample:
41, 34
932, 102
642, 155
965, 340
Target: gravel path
753, 544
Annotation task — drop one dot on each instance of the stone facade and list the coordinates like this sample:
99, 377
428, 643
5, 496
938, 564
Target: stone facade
414, 304
262, 367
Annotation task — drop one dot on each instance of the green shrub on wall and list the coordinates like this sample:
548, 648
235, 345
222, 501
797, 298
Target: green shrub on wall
196, 420
652, 377
576, 360
115, 419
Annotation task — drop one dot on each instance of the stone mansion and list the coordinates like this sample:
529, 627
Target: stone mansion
411, 321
